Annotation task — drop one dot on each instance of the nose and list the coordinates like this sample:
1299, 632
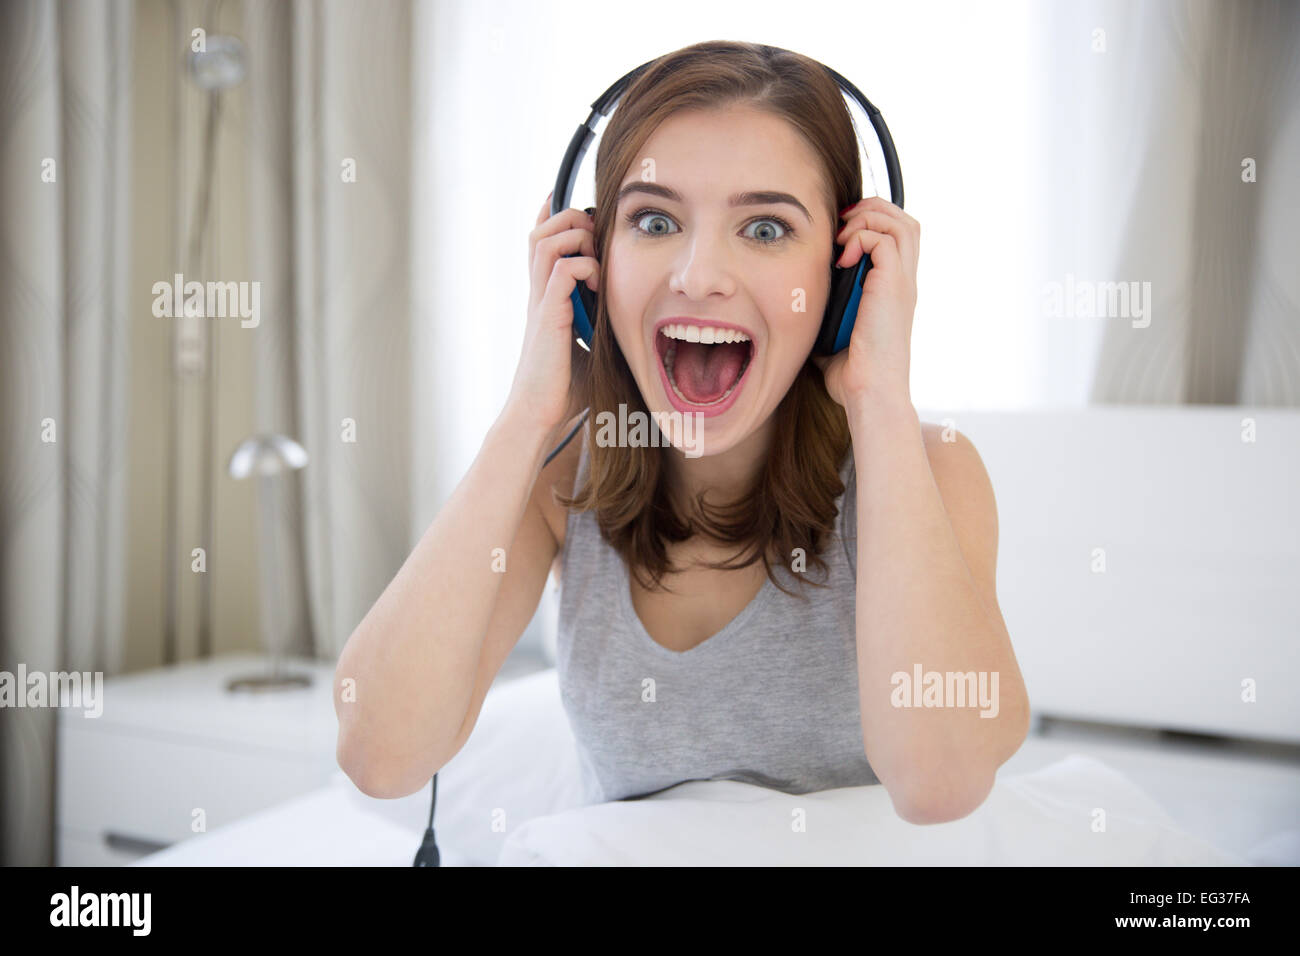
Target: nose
704, 266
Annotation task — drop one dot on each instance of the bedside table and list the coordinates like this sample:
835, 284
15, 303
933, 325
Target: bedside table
173, 741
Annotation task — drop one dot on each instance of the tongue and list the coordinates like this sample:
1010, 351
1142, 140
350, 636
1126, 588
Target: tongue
705, 372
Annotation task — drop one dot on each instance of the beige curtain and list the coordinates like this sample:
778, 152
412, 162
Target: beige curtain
1196, 90
64, 182
329, 187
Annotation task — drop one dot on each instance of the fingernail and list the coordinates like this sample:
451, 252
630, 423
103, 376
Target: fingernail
846, 209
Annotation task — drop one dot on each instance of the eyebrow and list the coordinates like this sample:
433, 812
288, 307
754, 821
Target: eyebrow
761, 197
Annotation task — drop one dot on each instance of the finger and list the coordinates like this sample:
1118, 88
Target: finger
881, 213
542, 215
564, 278
881, 246
563, 220
880, 204
569, 272
879, 221
554, 248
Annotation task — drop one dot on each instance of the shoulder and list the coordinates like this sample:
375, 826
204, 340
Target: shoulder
967, 494
955, 462
558, 478
954, 459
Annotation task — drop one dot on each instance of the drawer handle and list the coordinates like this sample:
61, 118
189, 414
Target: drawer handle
130, 844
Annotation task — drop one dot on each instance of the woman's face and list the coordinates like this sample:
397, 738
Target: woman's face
684, 264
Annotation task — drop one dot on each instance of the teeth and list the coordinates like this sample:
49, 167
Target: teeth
704, 334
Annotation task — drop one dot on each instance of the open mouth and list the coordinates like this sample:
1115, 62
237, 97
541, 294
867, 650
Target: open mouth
704, 367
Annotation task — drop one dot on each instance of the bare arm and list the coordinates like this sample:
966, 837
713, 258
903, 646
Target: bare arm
927, 553
415, 659
412, 677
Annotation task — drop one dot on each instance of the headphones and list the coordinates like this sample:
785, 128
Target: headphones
846, 284
837, 323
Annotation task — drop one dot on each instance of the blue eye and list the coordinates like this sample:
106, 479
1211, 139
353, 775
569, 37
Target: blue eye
635, 219
786, 230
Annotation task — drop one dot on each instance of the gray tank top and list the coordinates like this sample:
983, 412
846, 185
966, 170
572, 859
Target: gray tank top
771, 699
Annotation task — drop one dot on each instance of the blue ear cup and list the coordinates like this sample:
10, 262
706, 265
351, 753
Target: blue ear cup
842, 306
584, 311
583, 299
837, 322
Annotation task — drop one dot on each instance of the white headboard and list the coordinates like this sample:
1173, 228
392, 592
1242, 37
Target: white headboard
1201, 584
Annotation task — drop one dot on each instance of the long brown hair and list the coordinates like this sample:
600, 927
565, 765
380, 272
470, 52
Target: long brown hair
791, 504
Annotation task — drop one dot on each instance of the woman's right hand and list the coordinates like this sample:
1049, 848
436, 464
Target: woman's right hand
541, 385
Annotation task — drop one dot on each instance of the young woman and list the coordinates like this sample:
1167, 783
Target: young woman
758, 606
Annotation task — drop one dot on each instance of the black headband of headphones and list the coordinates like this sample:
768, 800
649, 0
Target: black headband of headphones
606, 102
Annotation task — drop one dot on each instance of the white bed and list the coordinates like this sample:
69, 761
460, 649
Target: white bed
512, 797
1201, 538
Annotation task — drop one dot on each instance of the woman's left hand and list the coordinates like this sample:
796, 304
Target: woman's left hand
878, 357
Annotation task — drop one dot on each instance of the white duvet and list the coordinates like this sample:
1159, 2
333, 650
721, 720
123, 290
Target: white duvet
512, 797
1054, 816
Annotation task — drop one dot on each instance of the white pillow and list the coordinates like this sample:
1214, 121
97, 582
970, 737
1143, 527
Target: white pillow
519, 763
1036, 819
